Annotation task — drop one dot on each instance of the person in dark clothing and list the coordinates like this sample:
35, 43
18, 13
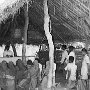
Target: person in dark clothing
20, 71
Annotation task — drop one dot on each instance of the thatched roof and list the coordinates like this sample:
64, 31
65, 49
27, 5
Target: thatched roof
9, 7
65, 26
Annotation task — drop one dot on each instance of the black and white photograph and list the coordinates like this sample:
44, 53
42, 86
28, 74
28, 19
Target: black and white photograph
44, 44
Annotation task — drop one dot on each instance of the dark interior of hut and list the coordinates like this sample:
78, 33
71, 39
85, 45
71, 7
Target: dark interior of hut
64, 28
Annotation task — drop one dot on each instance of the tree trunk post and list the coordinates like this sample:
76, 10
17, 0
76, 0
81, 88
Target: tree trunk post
50, 42
25, 34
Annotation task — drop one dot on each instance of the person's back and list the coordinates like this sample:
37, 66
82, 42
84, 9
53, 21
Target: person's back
72, 68
71, 72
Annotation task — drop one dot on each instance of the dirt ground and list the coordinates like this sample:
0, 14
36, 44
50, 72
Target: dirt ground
60, 80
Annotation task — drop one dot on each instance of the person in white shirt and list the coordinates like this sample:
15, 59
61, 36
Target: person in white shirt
84, 68
71, 53
71, 73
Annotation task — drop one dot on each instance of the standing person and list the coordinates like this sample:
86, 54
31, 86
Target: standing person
40, 67
64, 54
84, 69
71, 73
63, 59
30, 67
34, 75
20, 71
71, 53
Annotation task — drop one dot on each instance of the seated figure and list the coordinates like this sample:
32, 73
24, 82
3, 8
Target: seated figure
7, 52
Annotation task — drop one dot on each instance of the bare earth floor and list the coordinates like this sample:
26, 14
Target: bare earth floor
60, 79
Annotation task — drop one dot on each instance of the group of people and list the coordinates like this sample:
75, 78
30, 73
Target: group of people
31, 76
34, 75
70, 68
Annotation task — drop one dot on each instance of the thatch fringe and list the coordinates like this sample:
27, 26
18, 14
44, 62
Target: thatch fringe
10, 7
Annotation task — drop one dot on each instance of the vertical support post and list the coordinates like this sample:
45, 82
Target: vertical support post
50, 42
25, 34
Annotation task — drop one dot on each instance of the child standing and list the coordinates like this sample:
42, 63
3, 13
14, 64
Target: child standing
71, 73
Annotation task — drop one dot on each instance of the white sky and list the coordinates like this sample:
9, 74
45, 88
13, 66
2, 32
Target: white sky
30, 50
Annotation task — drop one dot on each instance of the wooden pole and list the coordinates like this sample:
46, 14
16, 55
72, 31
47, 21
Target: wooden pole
25, 34
50, 42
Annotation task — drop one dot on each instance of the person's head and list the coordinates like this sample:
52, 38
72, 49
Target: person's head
20, 64
37, 60
71, 59
11, 65
84, 51
71, 48
19, 61
64, 47
29, 63
4, 65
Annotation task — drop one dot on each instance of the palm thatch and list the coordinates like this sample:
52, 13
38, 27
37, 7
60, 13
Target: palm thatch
74, 26
9, 7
